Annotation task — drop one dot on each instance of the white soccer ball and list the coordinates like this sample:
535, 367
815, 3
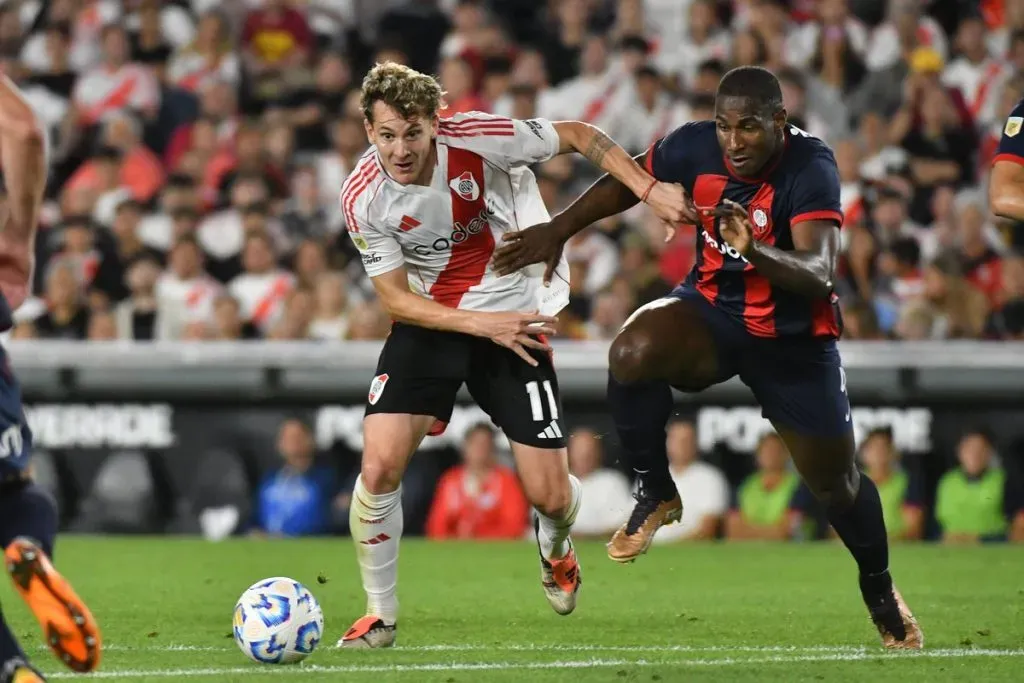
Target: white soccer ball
278, 621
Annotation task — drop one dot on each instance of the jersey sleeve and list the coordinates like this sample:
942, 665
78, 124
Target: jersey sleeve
504, 141
815, 193
1011, 144
668, 158
380, 251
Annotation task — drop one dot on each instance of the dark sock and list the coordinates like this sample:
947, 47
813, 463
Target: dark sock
640, 412
862, 529
8, 645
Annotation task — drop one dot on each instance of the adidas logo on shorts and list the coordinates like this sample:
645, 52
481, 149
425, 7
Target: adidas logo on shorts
552, 432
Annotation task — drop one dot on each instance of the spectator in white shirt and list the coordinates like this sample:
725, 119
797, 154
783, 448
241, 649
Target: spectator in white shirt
330, 318
185, 292
905, 19
263, 288
974, 72
116, 84
702, 487
606, 492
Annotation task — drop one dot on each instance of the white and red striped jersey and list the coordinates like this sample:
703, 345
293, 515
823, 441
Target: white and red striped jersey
193, 297
101, 91
976, 82
445, 233
261, 296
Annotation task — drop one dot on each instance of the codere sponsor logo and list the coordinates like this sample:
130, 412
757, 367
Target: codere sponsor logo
459, 234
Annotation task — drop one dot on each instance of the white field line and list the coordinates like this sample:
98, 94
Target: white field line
522, 666
564, 648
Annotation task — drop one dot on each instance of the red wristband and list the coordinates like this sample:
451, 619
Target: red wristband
643, 197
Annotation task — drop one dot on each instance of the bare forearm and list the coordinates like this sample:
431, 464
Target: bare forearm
801, 272
23, 155
413, 309
604, 198
604, 153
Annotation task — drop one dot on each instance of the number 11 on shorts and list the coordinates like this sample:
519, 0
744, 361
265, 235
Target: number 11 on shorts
536, 405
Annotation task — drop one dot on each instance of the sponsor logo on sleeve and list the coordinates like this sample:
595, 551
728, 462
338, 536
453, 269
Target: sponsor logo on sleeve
370, 258
536, 128
359, 241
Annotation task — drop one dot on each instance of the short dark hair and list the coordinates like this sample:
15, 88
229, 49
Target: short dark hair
716, 65
907, 250
648, 71
880, 433
754, 83
180, 181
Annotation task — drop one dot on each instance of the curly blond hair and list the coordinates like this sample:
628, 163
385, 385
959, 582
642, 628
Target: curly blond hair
405, 90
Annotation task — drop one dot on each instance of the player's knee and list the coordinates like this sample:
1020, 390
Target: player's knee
551, 500
837, 493
380, 474
628, 358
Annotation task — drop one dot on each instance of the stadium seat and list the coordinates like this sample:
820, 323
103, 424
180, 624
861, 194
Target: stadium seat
123, 498
220, 496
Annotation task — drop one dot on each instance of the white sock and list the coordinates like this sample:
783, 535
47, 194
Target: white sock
376, 526
554, 533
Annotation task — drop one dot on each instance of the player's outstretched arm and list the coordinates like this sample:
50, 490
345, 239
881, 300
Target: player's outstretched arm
668, 201
543, 243
1006, 189
23, 155
513, 330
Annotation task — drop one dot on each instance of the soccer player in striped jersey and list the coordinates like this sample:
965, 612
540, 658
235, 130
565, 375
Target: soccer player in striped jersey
425, 207
759, 304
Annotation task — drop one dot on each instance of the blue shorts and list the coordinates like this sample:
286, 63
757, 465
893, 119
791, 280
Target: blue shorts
28, 510
798, 381
15, 435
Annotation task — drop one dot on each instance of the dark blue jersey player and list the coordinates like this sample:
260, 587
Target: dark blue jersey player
759, 304
1006, 186
28, 516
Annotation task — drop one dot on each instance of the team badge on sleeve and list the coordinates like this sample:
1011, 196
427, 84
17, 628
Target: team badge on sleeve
1013, 126
359, 241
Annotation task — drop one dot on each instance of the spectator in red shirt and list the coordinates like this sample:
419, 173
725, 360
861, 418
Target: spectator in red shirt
276, 36
479, 498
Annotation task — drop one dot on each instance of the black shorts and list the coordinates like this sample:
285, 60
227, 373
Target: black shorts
420, 371
799, 382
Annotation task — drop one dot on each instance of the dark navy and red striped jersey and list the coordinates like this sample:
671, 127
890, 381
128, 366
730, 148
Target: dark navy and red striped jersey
1011, 144
801, 185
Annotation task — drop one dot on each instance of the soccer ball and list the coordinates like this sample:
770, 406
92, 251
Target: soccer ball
278, 621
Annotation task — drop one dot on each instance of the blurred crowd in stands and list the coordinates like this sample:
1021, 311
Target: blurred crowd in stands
978, 499
199, 146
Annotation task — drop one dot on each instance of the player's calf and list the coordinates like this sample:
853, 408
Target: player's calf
556, 495
376, 521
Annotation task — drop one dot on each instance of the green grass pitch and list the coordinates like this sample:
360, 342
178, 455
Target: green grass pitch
474, 613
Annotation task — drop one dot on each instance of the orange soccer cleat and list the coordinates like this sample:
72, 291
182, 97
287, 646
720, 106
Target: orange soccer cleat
68, 626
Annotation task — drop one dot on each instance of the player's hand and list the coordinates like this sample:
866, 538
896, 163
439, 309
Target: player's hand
541, 243
736, 227
517, 331
670, 203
